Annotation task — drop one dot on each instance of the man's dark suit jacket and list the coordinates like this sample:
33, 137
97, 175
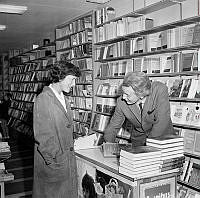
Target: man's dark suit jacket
155, 119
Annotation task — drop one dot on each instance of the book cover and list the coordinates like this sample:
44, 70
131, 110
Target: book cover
193, 88
187, 59
165, 139
175, 88
185, 88
189, 140
197, 92
196, 144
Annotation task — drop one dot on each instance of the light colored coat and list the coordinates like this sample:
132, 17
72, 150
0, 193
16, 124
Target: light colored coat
55, 172
155, 119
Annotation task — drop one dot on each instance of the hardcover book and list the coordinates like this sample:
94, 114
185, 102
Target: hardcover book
165, 139
139, 152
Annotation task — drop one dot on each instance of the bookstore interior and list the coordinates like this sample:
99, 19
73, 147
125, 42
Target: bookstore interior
158, 37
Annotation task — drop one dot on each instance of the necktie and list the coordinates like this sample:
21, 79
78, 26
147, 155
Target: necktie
140, 105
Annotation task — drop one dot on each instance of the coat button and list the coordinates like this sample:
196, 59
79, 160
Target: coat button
71, 148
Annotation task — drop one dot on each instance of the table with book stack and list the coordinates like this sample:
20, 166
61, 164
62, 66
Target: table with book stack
5, 154
144, 171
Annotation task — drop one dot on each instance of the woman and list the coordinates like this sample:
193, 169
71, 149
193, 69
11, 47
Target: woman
146, 105
55, 173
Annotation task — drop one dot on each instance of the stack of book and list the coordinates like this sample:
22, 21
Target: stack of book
172, 152
139, 162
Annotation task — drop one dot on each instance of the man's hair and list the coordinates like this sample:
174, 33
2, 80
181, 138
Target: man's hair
139, 81
61, 69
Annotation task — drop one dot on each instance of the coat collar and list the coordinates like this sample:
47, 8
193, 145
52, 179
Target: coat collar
68, 114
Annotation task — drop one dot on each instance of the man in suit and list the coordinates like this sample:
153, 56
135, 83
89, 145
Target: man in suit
146, 105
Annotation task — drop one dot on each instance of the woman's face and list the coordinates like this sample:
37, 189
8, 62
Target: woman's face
129, 95
67, 83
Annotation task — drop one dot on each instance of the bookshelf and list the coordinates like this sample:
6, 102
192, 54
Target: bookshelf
74, 44
163, 53
28, 74
4, 86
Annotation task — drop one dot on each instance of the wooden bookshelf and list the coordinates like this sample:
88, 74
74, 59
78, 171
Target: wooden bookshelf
28, 74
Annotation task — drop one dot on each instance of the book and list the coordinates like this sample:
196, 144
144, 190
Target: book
175, 87
196, 34
185, 88
139, 152
141, 169
196, 143
187, 60
193, 88
137, 175
165, 146
189, 140
140, 163
197, 92
165, 139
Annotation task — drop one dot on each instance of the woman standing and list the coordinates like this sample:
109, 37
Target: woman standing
55, 173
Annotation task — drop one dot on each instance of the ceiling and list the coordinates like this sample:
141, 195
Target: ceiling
38, 22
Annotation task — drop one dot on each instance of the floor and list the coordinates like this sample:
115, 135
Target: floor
21, 165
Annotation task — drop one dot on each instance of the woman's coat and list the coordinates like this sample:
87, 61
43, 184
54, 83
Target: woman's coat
55, 172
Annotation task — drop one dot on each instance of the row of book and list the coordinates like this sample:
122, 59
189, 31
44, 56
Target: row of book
82, 115
122, 27
178, 87
185, 113
177, 62
83, 64
23, 68
21, 115
37, 54
82, 90
191, 171
28, 97
108, 89
81, 102
34, 66
160, 156
76, 52
106, 105
30, 76
26, 87
104, 14
74, 27
115, 68
25, 106
20, 126
75, 39
182, 87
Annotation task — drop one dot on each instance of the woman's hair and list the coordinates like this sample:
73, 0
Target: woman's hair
61, 69
139, 81
88, 185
